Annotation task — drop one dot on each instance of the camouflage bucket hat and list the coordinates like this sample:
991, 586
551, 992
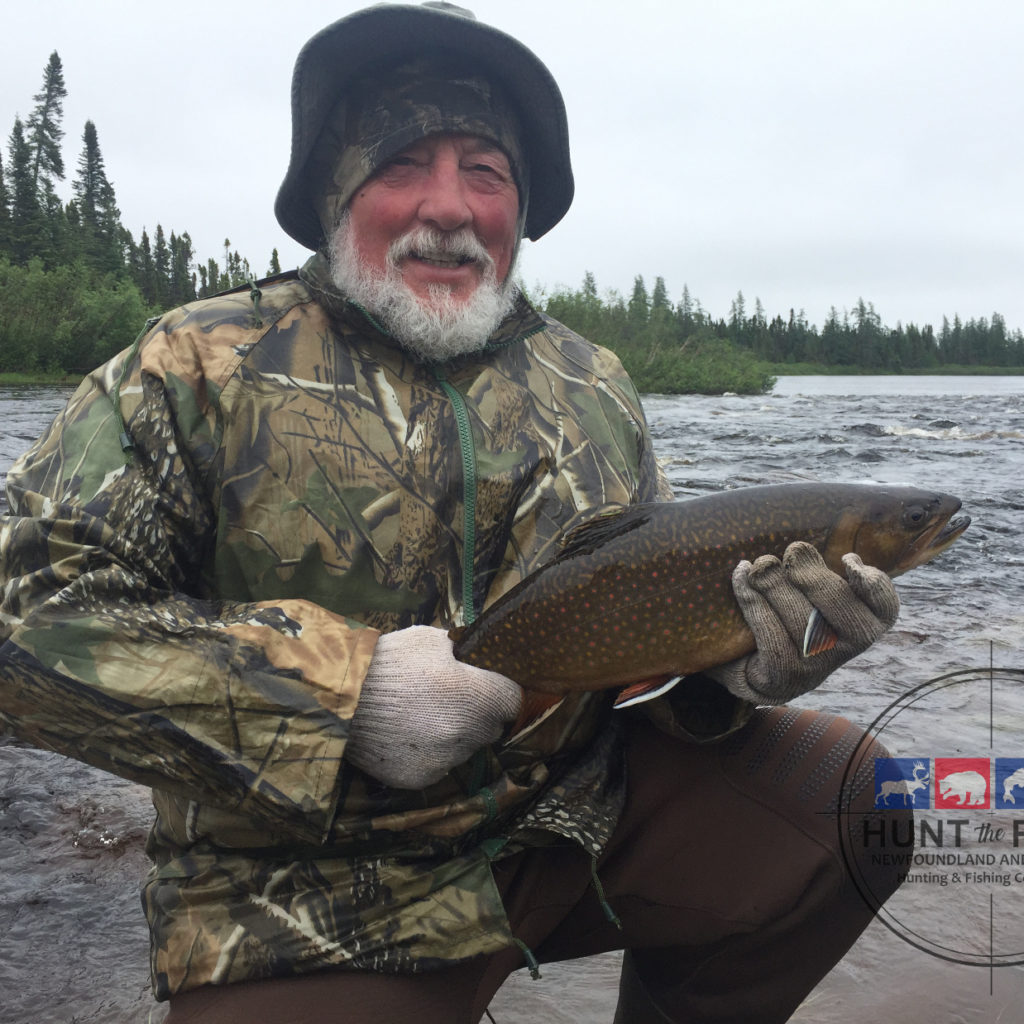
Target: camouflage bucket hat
337, 62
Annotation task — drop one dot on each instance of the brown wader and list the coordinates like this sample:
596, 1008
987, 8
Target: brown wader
725, 872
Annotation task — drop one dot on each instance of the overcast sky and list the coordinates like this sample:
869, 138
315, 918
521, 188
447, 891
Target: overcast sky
806, 152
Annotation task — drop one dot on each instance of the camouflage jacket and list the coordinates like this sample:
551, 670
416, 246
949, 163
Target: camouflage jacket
197, 613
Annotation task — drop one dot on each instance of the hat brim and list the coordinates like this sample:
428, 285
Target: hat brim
390, 33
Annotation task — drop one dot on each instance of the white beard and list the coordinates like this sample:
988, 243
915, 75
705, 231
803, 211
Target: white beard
435, 328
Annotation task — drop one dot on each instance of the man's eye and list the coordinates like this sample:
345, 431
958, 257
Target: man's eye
486, 169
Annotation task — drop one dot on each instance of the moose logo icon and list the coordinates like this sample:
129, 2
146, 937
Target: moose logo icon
962, 782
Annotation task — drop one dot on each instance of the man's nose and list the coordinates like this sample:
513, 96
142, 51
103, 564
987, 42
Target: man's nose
444, 202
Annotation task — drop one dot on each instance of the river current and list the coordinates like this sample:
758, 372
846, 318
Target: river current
73, 943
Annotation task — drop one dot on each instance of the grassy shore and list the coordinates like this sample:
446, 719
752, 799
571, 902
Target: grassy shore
40, 378
949, 370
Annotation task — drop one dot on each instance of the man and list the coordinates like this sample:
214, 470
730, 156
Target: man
231, 565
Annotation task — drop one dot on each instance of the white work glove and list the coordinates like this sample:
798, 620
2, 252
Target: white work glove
777, 599
422, 713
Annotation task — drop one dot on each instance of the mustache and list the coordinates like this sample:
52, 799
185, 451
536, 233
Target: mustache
429, 243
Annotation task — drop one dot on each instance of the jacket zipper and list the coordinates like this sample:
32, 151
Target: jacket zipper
468, 450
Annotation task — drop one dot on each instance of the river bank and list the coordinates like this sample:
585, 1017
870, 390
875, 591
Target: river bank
61, 379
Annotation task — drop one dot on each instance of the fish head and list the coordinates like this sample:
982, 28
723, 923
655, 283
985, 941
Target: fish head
900, 528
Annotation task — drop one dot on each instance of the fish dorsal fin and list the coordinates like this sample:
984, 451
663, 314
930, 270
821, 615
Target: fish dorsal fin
609, 522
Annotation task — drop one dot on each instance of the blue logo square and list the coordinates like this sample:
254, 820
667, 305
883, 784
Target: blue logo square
1009, 784
904, 782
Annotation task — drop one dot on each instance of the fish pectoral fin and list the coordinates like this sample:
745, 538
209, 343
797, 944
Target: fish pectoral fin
818, 636
647, 690
536, 707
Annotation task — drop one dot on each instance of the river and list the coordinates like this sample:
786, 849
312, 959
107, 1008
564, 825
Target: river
73, 943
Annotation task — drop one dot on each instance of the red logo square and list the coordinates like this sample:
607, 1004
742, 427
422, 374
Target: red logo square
962, 782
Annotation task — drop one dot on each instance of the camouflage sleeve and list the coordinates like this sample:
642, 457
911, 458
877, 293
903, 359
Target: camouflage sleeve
109, 652
653, 484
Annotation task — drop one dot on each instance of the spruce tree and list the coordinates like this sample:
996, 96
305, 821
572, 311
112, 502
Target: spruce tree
147, 279
162, 267
99, 217
5, 214
26, 224
44, 125
639, 307
182, 285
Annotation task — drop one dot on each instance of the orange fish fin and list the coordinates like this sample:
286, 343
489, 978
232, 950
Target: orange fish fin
535, 708
818, 636
637, 693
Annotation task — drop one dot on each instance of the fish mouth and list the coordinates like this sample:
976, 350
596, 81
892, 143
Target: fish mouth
950, 532
935, 539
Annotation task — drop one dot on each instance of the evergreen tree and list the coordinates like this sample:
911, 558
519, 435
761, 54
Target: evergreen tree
236, 269
275, 264
26, 224
161, 267
661, 325
591, 306
182, 286
738, 319
659, 297
44, 125
99, 217
147, 277
639, 308
684, 312
5, 213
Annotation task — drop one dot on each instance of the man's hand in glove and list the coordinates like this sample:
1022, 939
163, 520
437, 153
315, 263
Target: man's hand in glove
422, 713
777, 599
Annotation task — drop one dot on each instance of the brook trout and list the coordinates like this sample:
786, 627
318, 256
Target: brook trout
643, 594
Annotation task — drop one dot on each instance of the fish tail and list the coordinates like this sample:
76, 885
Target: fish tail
647, 690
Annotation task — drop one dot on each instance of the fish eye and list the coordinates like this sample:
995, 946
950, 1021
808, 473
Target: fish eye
914, 516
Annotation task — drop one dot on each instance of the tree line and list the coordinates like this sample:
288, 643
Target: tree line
648, 328
75, 284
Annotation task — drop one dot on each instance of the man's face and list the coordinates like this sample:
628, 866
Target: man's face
448, 183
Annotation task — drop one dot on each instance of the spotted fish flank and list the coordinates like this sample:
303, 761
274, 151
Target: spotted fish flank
642, 594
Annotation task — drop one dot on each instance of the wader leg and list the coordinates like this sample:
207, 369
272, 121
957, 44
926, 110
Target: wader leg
727, 874
635, 1003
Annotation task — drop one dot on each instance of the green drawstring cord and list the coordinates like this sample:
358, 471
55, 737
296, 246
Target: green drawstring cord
531, 960
605, 905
